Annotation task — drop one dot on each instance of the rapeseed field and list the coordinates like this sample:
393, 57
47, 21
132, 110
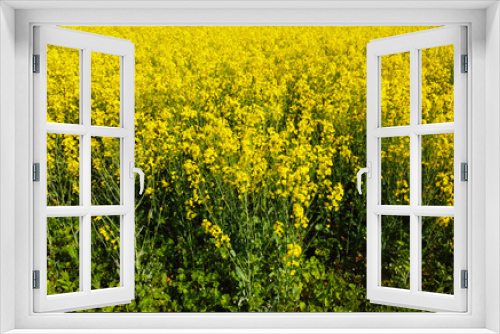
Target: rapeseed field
250, 139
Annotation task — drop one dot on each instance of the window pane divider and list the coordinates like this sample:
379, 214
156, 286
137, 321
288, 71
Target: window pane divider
415, 173
107, 131
67, 211
81, 130
433, 211
86, 170
419, 210
393, 131
392, 210
94, 210
67, 129
421, 129
433, 129
109, 210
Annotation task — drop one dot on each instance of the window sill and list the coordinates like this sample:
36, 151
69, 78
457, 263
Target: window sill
250, 331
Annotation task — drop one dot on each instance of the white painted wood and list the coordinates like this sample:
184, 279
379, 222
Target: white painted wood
434, 211
66, 211
460, 155
420, 40
392, 131
257, 331
244, 4
40, 155
491, 163
7, 168
109, 210
84, 40
94, 210
419, 129
80, 300
470, 322
415, 239
75, 129
406, 210
392, 210
106, 131
85, 185
433, 129
373, 194
413, 43
86, 298
127, 229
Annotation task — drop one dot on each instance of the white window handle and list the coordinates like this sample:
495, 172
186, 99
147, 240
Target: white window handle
134, 170
368, 171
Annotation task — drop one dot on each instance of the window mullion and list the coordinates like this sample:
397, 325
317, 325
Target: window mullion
85, 163
415, 239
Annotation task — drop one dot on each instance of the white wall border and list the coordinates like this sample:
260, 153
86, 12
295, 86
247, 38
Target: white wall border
248, 4
7, 166
256, 331
492, 163
365, 322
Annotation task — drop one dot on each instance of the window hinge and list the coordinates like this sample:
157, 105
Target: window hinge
465, 63
464, 174
465, 279
36, 172
36, 63
36, 279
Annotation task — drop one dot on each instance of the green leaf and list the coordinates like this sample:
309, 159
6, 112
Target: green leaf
241, 275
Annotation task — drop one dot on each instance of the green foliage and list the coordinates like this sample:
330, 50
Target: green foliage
250, 202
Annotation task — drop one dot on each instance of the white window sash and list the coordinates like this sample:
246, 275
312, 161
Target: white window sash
85, 298
414, 297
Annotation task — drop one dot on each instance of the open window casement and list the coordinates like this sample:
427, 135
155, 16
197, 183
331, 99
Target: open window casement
416, 182
84, 134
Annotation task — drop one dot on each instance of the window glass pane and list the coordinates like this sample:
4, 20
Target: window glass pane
105, 252
105, 89
395, 89
63, 85
105, 171
437, 84
395, 241
63, 255
437, 169
395, 170
437, 254
63, 170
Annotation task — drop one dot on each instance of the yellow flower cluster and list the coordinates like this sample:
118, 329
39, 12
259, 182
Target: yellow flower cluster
300, 218
292, 256
234, 117
444, 221
63, 85
294, 250
336, 197
395, 89
278, 228
215, 231
109, 235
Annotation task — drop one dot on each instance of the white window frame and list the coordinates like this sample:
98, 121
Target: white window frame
414, 43
86, 44
483, 208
